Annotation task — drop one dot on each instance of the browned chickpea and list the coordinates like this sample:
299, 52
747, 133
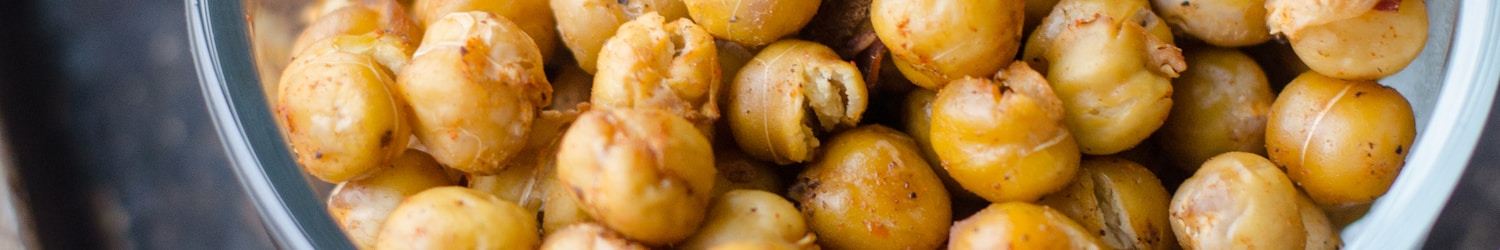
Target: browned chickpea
1341, 141
788, 93
1220, 104
644, 173
1004, 140
1020, 225
870, 189
1227, 23
1067, 12
652, 64
1114, 80
916, 114
750, 215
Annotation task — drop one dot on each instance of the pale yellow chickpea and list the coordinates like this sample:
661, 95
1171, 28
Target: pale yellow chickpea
1067, 12
644, 173
653, 64
937, 42
458, 218
474, 87
1356, 40
1121, 200
752, 23
340, 114
361, 206
1020, 225
790, 91
588, 236
750, 215
1227, 23
1237, 200
1342, 141
584, 25
1004, 139
532, 16
357, 17
1114, 80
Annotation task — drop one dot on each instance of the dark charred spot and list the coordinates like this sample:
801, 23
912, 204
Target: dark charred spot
318, 155
913, 195
1357, 94
734, 19
1101, 231
754, 209
385, 139
463, 50
1186, 4
623, 1
1398, 149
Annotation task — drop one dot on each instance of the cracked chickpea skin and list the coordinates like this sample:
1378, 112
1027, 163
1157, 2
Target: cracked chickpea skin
1121, 200
338, 108
1342, 141
647, 173
789, 93
532, 16
937, 42
653, 64
584, 25
1067, 12
1004, 139
361, 206
1237, 200
1115, 82
474, 86
1226, 23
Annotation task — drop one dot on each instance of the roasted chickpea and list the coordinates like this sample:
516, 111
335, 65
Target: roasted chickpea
752, 23
788, 93
1004, 140
1355, 39
1067, 12
750, 215
1237, 200
588, 236
755, 245
560, 208
338, 112
523, 180
475, 86
1020, 225
871, 189
532, 16
1114, 80
739, 171
390, 50
916, 114
937, 42
1227, 23
1121, 200
361, 206
1342, 141
1219, 105
357, 18
585, 24
644, 173
458, 218
1321, 235
652, 64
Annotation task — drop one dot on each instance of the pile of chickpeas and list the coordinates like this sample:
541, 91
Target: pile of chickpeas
850, 124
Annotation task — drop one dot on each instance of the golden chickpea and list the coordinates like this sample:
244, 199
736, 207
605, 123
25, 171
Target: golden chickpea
458, 218
1020, 225
916, 114
790, 91
359, 17
588, 236
750, 215
475, 86
1226, 23
1004, 140
1067, 12
1220, 104
739, 171
338, 112
752, 23
1354, 39
1342, 141
871, 189
644, 173
1237, 200
1121, 200
361, 206
1114, 80
937, 42
532, 16
584, 25
1321, 235
652, 64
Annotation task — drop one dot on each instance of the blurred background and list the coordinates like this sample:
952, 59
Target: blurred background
106, 143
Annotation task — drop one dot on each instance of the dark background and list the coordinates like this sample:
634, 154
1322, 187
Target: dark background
116, 149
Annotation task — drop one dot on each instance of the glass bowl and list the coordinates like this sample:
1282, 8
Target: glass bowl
238, 45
